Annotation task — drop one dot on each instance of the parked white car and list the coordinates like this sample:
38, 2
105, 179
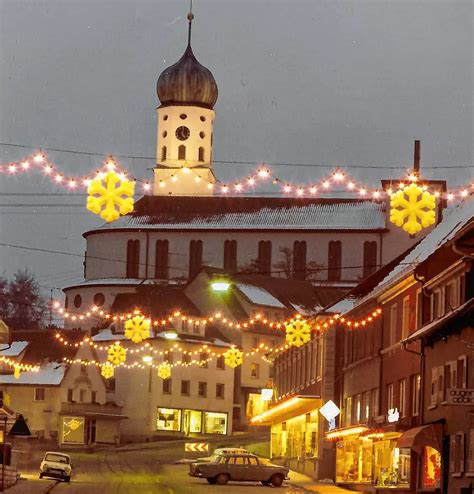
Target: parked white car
222, 451
56, 465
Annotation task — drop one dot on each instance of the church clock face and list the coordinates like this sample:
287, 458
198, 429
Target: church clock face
182, 133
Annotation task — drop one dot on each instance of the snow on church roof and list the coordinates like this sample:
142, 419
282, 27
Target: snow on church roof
259, 296
247, 213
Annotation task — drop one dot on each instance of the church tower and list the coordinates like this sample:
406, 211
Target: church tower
187, 92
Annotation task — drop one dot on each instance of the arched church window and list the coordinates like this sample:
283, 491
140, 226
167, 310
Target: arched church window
133, 258
163, 153
202, 134
201, 154
182, 152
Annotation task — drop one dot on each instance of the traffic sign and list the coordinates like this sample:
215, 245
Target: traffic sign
196, 447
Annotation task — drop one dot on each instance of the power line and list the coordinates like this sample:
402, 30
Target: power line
231, 162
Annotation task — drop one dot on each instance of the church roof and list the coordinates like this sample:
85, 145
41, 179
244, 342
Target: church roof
250, 213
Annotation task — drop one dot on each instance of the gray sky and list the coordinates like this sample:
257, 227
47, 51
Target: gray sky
316, 82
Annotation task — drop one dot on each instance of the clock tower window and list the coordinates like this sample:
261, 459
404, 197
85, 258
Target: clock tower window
182, 152
201, 154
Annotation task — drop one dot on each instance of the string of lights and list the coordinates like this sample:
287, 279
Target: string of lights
19, 365
336, 180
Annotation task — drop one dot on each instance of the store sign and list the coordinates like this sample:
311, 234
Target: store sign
393, 415
455, 396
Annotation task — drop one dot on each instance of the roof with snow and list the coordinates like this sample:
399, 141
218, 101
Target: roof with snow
259, 296
247, 213
13, 349
454, 220
51, 374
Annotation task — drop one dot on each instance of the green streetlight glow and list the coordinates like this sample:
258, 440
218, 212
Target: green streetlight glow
220, 286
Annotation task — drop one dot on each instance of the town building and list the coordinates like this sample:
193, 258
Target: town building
63, 403
387, 436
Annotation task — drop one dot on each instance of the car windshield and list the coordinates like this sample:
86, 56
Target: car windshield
57, 458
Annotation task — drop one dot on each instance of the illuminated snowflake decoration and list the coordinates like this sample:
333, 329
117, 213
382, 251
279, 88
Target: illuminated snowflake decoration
16, 371
116, 354
233, 357
412, 208
110, 196
73, 424
107, 370
164, 370
298, 333
137, 329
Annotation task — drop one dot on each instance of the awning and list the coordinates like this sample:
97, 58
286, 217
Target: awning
298, 405
425, 435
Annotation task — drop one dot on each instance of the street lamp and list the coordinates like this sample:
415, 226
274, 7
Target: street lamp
220, 285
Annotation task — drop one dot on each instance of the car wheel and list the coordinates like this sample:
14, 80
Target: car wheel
41, 475
265, 482
277, 480
211, 480
222, 479
67, 479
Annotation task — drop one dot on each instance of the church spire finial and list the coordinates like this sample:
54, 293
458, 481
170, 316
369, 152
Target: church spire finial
190, 19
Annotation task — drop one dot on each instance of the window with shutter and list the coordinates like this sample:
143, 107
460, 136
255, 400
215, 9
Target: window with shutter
264, 257
299, 260
462, 372
441, 389
452, 454
434, 387
230, 255
161, 259
456, 453
334, 260
133, 258
195, 257
370, 258
470, 453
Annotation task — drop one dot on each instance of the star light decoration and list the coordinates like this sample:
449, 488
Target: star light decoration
116, 354
164, 370
233, 357
73, 424
298, 333
137, 329
107, 370
110, 196
16, 371
412, 208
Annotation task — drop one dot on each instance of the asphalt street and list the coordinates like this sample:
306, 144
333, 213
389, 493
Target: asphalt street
131, 472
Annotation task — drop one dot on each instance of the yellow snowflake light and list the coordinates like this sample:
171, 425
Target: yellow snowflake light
164, 370
16, 371
412, 208
73, 424
107, 370
233, 357
298, 333
110, 196
137, 329
116, 354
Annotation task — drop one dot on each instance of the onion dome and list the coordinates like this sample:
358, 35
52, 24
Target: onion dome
187, 82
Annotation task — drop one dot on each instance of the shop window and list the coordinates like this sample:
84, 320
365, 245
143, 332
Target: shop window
405, 317
185, 387
215, 423
264, 257
168, 419
202, 389
73, 430
195, 257
370, 258
182, 152
219, 390
299, 260
415, 395
192, 422
161, 259
133, 258
167, 386
354, 461
456, 454
391, 465
39, 394
255, 370
393, 324
220, 364
230, 255
334, 260
431, 468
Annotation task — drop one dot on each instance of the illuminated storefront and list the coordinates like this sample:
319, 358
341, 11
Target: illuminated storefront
191, 421
294, 431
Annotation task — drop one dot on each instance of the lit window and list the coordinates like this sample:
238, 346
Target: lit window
73, 430
431, 467
192, 422
215, 423
168, 419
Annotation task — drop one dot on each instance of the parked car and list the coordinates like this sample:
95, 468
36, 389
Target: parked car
56, 465
222, 451
241, 467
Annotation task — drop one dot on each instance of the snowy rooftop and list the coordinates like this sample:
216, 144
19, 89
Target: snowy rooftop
107, 335
232, 213
111, 281
454, 220
14, 349
49, 374
259, 296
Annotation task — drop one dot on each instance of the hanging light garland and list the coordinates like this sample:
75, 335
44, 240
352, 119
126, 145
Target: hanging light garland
21, 366
338, 179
